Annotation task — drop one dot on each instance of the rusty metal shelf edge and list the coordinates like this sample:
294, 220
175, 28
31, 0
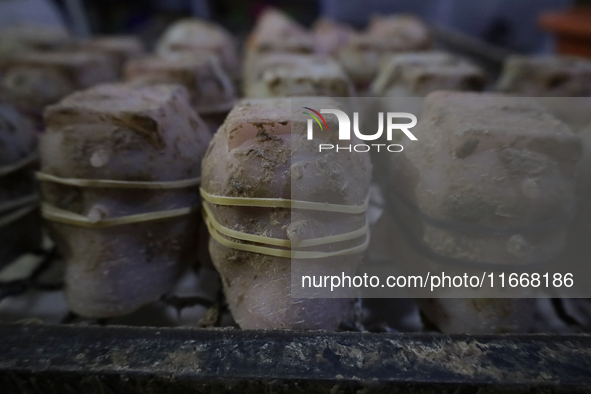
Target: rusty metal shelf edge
185, 357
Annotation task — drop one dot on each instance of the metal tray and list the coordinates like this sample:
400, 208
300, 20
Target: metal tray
37, 358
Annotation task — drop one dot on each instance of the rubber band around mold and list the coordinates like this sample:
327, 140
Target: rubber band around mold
16, 215
286, 243
58, 215
30, 199
219, 232
21, 206
285, 253
283, 203
55, 214
9, 169
117, 184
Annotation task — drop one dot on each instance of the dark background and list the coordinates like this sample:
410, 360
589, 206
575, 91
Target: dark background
507, 23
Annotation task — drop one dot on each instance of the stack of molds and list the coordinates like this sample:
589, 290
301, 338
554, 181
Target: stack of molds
121, 48
579, 247
560, 80
120, 170
274, 32
330, 36
490, 183
212, 93
289, 75
31, 81
273, 204
26, 38
584, 191
548, 76
362, 55
200, 37
416, 74
20, 224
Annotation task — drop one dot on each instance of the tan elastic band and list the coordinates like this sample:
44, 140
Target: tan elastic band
9, 169
16, 215
283, 203
288, 254
59, 215
286, 243
118, 184
218, 231
31, 199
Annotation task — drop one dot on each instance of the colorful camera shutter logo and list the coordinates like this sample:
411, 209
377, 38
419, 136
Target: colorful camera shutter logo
316, 117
